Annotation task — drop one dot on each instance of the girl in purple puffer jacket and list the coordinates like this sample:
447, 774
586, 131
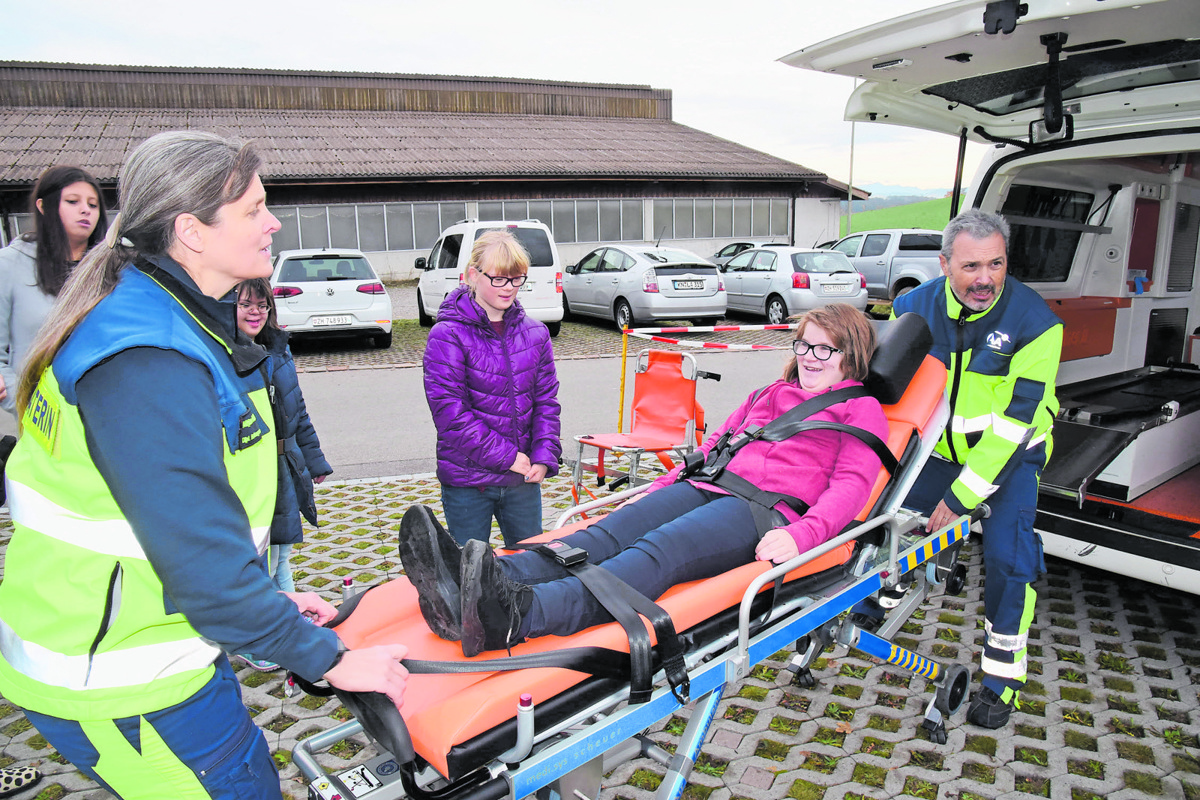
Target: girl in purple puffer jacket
493, 392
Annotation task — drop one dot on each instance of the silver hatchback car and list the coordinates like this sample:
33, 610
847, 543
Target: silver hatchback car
781, 281
630, 284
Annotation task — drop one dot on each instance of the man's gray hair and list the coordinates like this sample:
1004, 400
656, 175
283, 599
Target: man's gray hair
976, 224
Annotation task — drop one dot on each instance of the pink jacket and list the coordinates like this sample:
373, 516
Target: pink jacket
833, 472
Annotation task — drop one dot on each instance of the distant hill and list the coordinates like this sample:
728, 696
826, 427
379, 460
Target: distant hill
932, 214
888, 190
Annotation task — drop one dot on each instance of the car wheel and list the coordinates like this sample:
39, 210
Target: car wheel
382, 340
777, 311
554, 328
424, 319
623, 314
566, 308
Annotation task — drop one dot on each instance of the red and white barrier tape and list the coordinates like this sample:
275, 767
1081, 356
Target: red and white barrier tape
712, 329
648, 333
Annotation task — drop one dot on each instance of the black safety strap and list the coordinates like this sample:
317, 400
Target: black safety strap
628, 606
782, 427
762, 503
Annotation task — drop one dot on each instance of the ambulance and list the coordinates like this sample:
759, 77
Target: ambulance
1091, 109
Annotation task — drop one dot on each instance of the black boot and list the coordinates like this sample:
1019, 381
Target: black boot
988, 710
492, 605
431, 561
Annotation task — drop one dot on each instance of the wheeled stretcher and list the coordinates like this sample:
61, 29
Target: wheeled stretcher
558, 714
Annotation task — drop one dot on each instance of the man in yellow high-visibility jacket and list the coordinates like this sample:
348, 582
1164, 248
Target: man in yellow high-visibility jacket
1001, 344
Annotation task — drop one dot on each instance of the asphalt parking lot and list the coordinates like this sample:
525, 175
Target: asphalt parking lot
1110, 710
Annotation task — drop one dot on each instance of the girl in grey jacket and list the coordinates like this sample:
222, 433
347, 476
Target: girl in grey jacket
69, 218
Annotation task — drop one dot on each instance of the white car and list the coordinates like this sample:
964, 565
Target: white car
331, 293
781, 281
446, 268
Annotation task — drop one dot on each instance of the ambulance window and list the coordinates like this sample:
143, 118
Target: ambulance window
1041, 249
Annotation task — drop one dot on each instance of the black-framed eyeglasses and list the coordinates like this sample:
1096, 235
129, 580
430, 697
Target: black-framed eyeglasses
822, 352
504, 280
262, 308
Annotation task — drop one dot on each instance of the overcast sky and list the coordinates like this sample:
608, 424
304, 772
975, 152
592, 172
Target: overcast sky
719, 59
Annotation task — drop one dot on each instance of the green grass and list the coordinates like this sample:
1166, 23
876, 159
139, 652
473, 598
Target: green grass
932, 214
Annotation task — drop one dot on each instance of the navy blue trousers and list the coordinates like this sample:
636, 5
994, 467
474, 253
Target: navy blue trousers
1012, 557
673, 535
204, 747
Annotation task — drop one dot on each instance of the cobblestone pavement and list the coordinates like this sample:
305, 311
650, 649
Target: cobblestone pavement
1110, 711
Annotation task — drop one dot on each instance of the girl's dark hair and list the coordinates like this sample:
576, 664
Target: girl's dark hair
260, 287
850, 331
53, 250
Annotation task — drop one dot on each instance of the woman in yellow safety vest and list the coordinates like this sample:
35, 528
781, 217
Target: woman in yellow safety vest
141, 493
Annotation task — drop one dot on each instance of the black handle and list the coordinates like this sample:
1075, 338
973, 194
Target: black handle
712, 376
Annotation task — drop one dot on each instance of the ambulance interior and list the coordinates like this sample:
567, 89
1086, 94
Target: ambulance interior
1110, 238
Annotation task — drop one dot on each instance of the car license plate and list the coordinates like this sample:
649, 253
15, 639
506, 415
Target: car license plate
322, 322
837, 288
689, 284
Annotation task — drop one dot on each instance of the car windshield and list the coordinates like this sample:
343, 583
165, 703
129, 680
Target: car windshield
666, 256
534, 240
829, 261
326, 268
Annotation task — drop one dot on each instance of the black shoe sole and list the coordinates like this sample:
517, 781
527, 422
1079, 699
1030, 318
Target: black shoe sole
436, 581
474, 637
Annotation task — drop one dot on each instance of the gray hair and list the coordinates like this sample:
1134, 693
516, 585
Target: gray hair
976, 224
180, 172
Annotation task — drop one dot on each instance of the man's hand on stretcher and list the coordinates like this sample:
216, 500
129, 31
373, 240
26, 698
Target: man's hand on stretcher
370, 669
776, 546
941, 517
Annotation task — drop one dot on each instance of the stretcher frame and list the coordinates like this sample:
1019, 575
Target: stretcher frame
569, 759
586, 727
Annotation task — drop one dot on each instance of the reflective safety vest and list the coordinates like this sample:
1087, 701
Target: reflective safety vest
1003, 363
86, 629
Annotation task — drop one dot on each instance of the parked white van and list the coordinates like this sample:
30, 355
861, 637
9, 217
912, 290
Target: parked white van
1094, 111
446, 268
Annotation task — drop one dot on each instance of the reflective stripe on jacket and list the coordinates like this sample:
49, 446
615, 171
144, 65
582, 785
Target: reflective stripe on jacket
87, 630
1003, 363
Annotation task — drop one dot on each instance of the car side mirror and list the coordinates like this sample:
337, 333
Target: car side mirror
420, 263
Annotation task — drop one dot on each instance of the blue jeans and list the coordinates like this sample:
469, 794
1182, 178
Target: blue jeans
205, 747
469, 511
673, 535
281, 555
1012, 558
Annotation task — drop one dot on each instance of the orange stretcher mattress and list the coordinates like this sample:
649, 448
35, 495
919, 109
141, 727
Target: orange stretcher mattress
445, 710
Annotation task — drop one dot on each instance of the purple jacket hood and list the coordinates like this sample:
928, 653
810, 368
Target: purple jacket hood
491, 395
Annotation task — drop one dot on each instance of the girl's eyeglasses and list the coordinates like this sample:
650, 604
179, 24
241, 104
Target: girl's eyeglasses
262, 308
504, 280
821, 352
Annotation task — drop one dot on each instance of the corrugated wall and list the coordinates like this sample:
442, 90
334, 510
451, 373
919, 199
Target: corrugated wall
128, 87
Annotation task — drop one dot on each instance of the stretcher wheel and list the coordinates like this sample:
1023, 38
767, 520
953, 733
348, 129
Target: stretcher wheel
957, 580
936, 730
953, 691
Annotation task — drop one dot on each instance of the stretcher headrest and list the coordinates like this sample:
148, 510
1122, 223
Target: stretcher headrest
902, 345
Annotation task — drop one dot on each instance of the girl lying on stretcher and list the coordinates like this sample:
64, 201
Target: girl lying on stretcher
678, 530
